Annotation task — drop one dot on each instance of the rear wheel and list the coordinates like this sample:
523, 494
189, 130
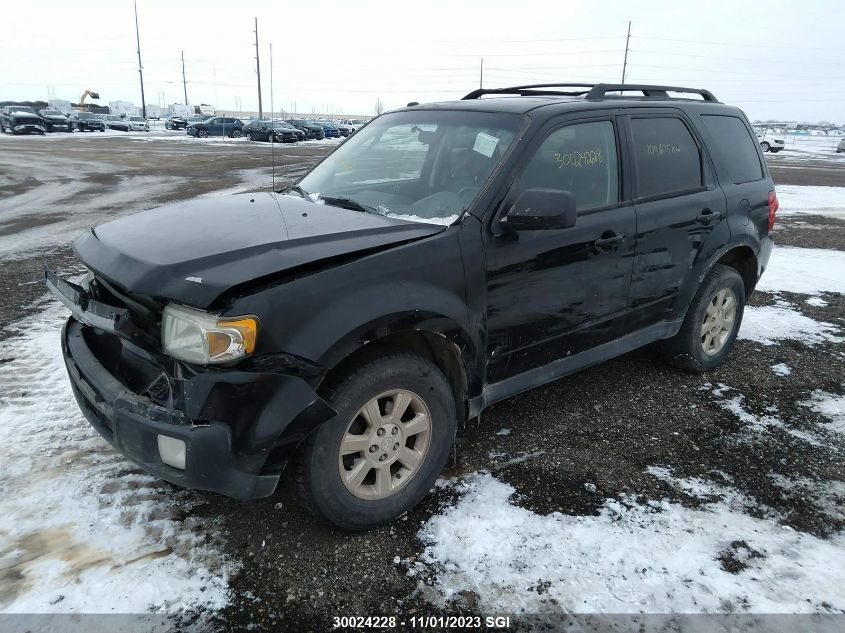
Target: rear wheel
766, 147
236, 133
383, 451
711, 323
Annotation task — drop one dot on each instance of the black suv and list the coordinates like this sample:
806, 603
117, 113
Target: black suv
21, 120
443, 258
86, 122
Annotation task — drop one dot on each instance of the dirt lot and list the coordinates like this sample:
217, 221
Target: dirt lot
565, 448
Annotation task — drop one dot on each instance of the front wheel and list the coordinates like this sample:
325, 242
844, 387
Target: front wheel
711, 323
766, 147
383, 451
203, 133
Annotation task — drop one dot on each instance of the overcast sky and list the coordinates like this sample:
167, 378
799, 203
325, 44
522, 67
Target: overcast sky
778, 59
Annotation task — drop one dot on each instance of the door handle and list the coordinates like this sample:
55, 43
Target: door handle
707, 216
609, 240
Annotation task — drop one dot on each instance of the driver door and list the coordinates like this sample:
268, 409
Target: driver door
555, 293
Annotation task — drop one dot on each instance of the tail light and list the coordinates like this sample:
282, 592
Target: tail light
774, 205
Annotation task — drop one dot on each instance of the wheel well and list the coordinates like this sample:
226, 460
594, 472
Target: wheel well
434, 347
743, 260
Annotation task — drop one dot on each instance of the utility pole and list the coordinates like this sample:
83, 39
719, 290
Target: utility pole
625, 61
258, 72
271, 80
184, 83
481, 75
140, 66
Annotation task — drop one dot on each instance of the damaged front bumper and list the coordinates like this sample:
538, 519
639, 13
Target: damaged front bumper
238, 428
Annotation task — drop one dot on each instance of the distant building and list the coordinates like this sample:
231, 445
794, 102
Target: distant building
123, 108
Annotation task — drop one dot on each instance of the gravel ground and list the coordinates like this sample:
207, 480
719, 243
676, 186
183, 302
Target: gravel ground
565, 447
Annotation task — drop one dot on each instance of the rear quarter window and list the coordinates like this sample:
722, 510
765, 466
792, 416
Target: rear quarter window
667, 157
736, 146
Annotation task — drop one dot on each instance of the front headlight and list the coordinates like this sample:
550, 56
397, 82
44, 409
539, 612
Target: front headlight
199, 337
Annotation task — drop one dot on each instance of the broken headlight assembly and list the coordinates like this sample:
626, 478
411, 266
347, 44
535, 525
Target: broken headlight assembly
198, 337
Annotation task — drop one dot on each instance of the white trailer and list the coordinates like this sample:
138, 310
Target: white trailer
123, 108
180, 109
60, 104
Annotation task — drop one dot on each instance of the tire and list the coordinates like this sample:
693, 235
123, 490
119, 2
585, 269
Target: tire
774, 151
250, 136
236, 134
314, 474
686, 350
766, 147
202, 133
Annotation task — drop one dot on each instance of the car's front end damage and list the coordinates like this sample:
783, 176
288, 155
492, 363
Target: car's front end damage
24, 123
227, 430
165, 360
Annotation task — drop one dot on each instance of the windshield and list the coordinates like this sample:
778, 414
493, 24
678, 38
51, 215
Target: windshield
421, 166
136, 118
86, 115
51, 113
23, 109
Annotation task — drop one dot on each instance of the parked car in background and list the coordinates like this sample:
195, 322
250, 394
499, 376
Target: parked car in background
21, 120
114, 122
768, 143
216, 126
86, 122
312, 130
300, 135
266, 130
138, 124
343, 129
328, 128
841, 147
55, 120
353, 124
176, 123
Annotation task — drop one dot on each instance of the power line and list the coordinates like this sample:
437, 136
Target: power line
778, 46
732, 59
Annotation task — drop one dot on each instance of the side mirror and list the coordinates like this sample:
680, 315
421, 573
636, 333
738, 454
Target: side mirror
541, 209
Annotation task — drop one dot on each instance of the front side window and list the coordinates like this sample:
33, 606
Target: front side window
666, 155
736, 147
426, 166
580, 159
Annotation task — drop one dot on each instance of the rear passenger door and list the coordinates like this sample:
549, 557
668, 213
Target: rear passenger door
678, 206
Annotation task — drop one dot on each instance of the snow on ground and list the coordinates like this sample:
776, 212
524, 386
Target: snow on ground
830, 406
782, 369
805, 200
804, 270
770, 324
82, 530
654, 557
800, 147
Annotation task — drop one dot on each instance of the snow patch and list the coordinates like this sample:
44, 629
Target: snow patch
830, 406
81, 529
782, 369
824, 201
804, 271
659, 557
770, 324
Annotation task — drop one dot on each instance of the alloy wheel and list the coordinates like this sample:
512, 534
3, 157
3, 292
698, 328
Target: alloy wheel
719, 320
385, 444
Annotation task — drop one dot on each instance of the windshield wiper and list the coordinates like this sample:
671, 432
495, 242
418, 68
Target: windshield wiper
298, 190
348, 203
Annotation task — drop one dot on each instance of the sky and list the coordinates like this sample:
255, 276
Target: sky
776, 59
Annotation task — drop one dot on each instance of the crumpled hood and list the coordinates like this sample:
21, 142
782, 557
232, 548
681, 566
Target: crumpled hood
194, 251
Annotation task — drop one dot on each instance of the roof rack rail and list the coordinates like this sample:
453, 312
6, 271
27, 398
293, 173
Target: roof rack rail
592, 92
530, 90
599, 91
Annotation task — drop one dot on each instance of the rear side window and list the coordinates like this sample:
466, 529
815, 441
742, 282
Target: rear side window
736, 146
667, 156
581, 159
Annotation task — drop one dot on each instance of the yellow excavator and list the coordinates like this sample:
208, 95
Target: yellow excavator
81, 105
